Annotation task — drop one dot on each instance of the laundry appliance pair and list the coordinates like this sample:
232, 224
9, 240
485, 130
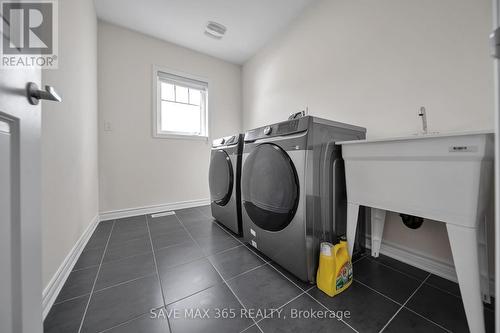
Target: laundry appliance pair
288, 193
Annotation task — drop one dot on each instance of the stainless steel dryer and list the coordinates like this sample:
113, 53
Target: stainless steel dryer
224, 181
293, 190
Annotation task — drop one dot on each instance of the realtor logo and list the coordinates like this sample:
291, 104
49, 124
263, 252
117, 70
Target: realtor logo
29, 34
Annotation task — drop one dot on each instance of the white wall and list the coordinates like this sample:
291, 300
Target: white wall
137, 170
374, 63
69, 137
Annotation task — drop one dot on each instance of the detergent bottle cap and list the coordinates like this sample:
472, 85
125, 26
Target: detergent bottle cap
326, 249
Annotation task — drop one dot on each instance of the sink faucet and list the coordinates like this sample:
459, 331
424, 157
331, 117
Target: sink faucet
423, 114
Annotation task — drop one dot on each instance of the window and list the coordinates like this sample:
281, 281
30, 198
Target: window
181, 106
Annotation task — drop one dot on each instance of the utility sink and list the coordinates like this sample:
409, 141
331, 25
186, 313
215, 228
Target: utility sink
445, 177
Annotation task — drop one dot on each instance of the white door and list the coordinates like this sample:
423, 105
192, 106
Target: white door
495, 41
20, 222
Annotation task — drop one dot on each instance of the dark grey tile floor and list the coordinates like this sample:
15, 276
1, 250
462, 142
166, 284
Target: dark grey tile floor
136, 272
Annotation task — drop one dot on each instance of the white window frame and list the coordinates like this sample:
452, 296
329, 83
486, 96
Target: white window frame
162, 74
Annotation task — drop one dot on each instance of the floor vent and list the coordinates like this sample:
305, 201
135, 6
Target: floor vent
163, 214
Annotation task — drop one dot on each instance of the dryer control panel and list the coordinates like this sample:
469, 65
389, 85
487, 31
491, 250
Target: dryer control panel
279, 129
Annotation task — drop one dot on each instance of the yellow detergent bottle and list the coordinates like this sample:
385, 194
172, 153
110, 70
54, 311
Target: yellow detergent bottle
335, 268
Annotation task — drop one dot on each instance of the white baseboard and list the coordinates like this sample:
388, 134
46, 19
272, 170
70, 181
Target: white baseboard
431, 264
121, 213
57, 282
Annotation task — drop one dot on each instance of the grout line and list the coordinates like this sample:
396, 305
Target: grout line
96, 277
199, 291
121, 243
167, 232
433, 322
282, 306
70, 299
124, 258
257, 254
192, 294
402, 306
443, 290
218, 272
156, 268
122, 283
226, 250
129, 320
171, 245
124, 242
359, 259
81, 269
342, 320
274, 310
248, 271
397, 270
378, 292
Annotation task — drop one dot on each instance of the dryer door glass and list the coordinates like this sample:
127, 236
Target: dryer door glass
270, 187
220, 177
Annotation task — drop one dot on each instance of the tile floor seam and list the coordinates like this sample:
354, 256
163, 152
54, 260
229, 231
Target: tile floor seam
156, 269
92, 248
427, 283
286, 303
124, 258
124, 242
325, 307
129, 320
402, 306
257, 254
122, 283
192, 294
70, 299
228, 286
185, 263
96, 277
169, 246
450, 293
443, 290
202, 213
428, 319
175, 228
226, 250
245, 272
359, 259
273, 310
81, 269
378, 292
397, 270
363, 257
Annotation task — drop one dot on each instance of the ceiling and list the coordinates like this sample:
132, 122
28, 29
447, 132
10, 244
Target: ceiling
250, 23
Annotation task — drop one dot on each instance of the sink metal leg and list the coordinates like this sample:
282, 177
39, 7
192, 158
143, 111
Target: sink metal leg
482, 243
352, 223
377, 221
464, 247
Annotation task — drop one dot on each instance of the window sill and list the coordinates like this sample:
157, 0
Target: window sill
180, 137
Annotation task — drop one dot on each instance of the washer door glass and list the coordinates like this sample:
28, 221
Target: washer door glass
220, 177
270, 187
